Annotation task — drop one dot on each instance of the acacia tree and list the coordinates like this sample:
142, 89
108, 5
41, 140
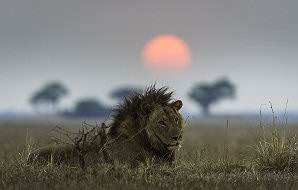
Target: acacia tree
49, 96
90, 107
121, 93
206, 94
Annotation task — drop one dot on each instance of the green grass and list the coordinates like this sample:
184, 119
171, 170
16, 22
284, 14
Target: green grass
241, 156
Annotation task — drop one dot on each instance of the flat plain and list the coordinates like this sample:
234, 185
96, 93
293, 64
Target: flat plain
225, 153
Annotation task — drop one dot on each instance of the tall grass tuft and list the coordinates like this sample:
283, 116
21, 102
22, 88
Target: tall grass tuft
276, 151
23, 155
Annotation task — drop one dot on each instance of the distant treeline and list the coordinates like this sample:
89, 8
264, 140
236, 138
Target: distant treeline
48, 98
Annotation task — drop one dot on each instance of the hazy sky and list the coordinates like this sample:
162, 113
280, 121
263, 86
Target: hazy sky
95, 46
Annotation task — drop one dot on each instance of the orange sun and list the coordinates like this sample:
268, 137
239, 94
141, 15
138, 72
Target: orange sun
166, 52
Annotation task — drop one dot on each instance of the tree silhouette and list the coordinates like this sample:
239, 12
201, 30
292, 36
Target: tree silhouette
90, 107
49, 95
207, 94
121, 93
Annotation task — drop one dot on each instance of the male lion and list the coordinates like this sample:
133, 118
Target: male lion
144, 127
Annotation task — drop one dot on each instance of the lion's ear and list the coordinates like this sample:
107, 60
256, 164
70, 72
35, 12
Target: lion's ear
177, 104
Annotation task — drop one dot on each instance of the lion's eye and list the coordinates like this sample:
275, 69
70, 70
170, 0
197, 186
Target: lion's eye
162, 123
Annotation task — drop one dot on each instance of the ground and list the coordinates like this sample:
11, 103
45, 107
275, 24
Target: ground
215, 155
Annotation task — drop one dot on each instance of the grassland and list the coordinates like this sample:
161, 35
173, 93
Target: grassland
240, 155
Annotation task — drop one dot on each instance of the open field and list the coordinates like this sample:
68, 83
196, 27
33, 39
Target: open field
213, 156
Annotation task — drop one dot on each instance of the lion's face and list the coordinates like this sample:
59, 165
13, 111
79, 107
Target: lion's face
165, 126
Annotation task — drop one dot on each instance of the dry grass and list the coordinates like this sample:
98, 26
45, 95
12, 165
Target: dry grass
213, 156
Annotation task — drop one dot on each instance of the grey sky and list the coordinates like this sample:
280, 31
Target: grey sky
95, 46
